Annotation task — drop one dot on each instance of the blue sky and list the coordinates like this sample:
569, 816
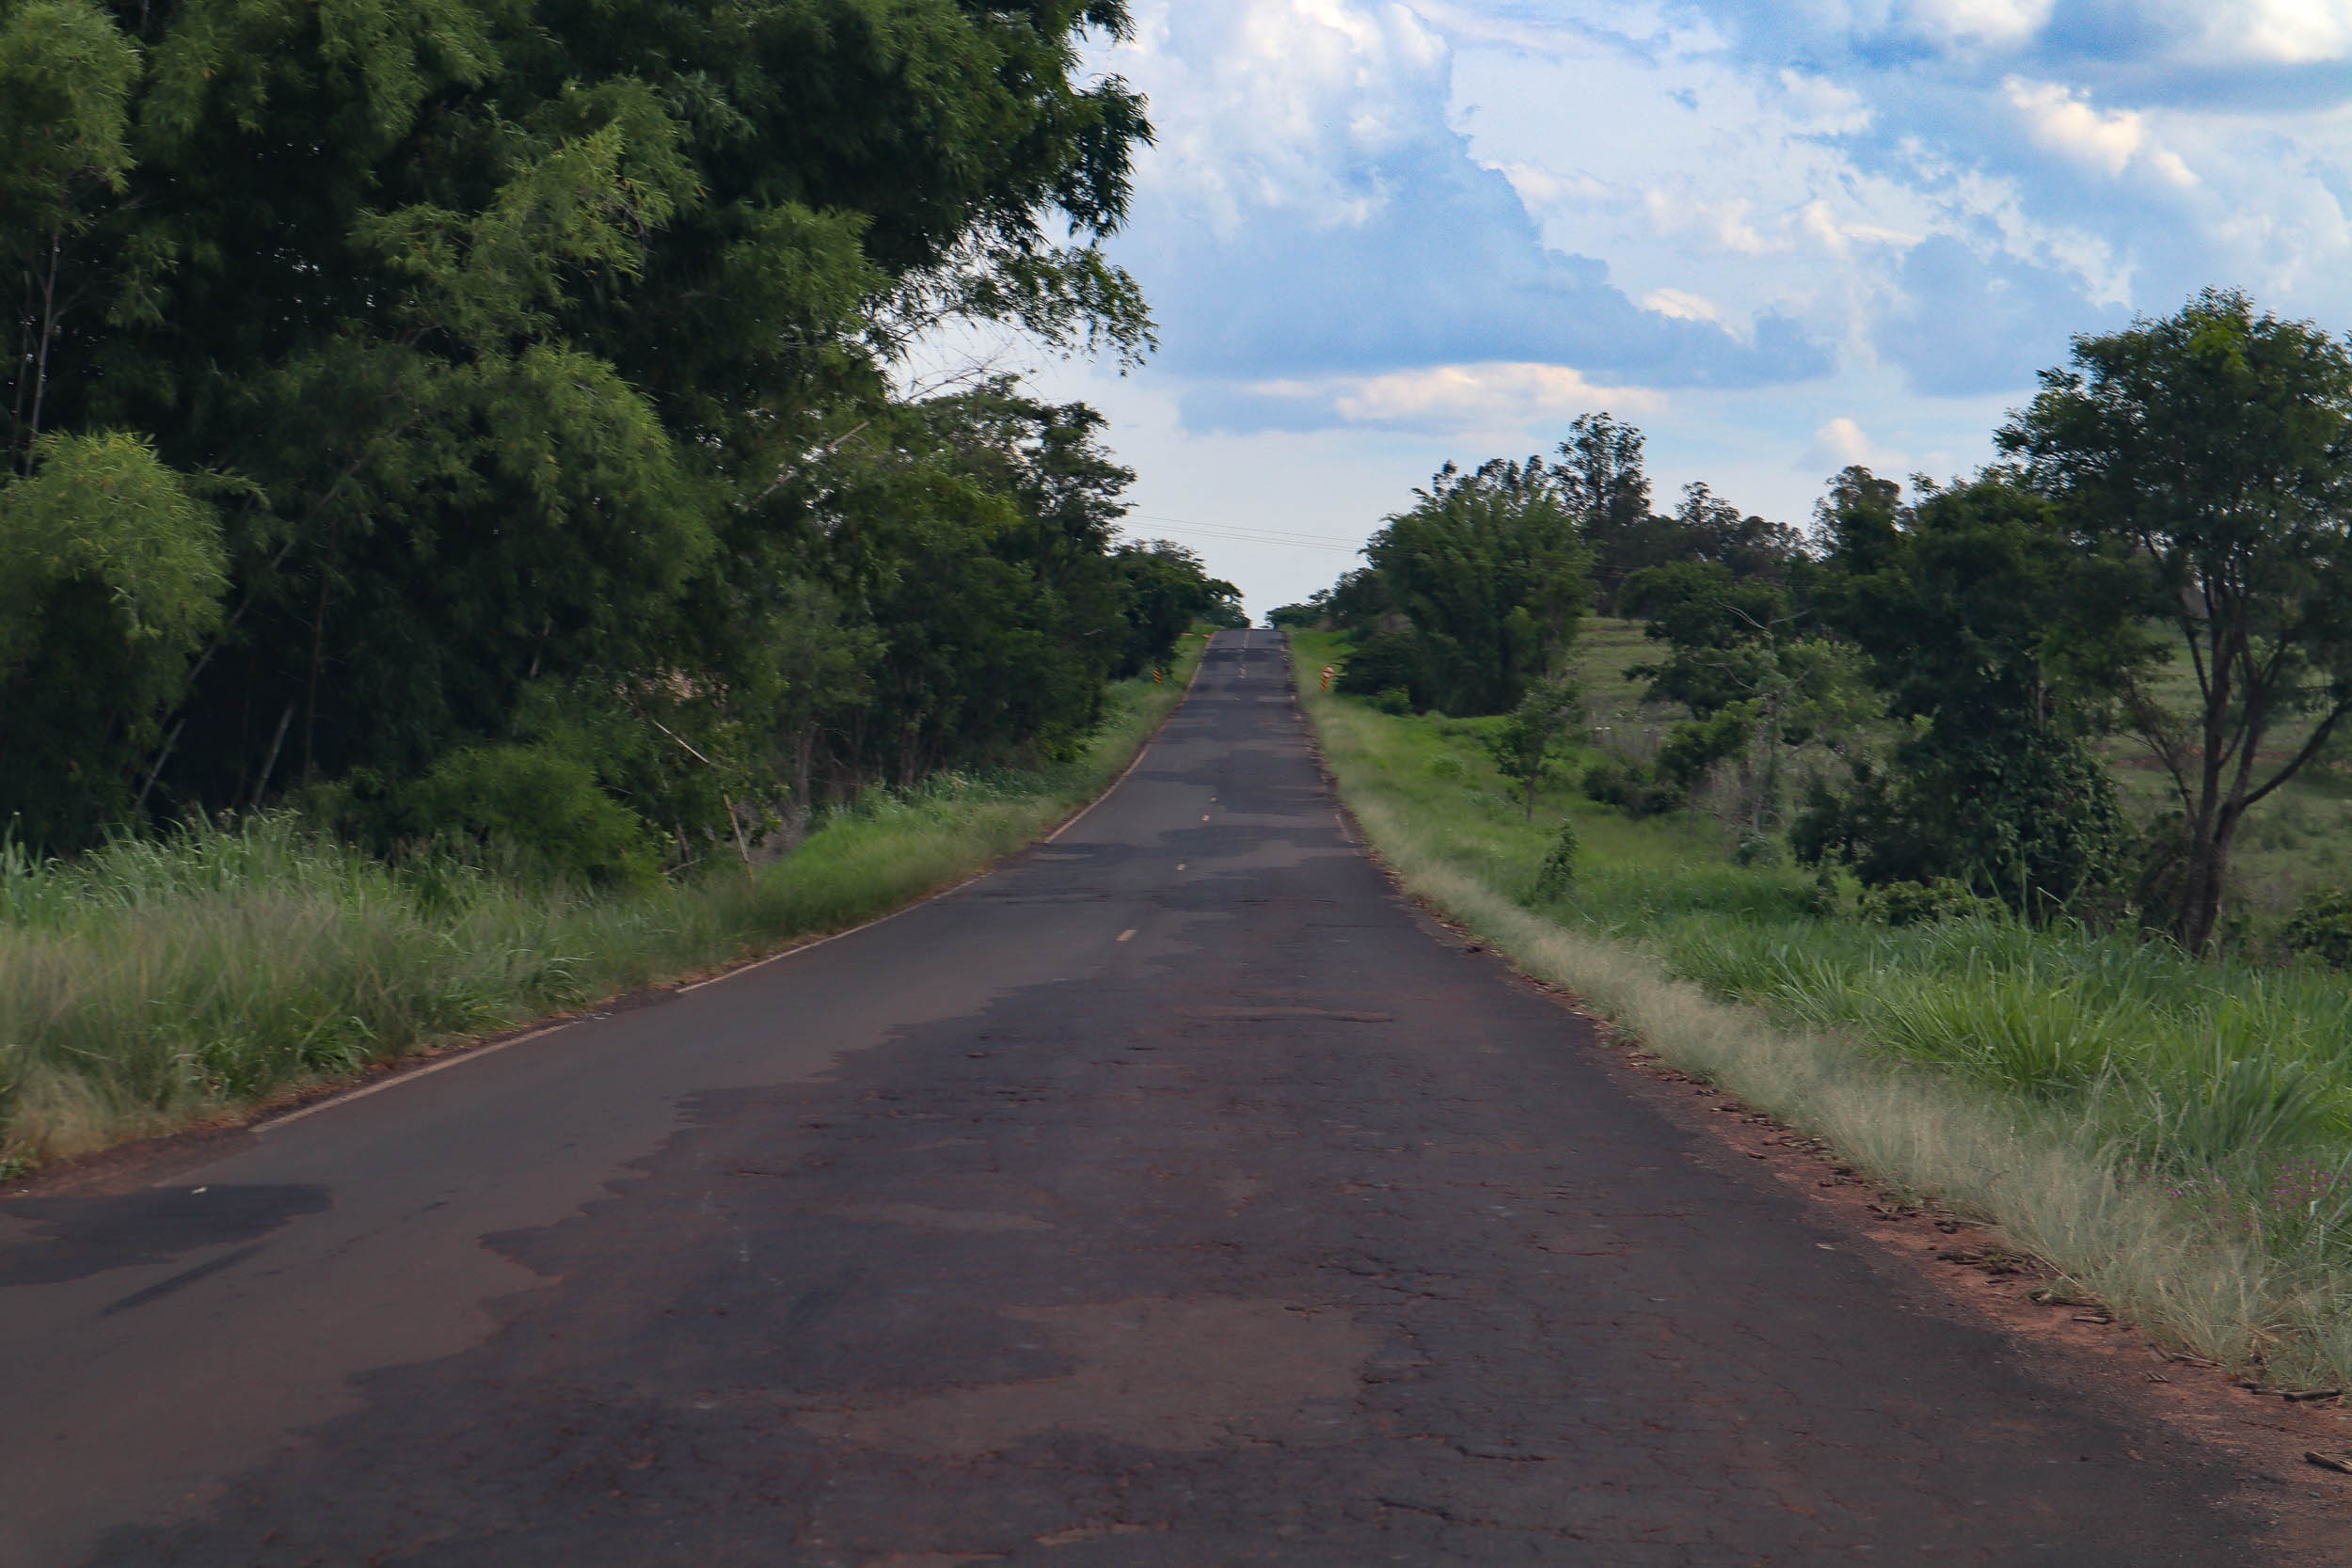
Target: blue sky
1779, 235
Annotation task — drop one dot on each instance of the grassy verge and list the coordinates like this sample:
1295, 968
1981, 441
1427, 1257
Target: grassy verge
155, 985
2172, 1135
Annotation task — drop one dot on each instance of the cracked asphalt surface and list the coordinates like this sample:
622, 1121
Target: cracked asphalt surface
1174, 1194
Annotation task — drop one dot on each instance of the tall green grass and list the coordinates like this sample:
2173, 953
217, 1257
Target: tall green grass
158, 983
2175, 1134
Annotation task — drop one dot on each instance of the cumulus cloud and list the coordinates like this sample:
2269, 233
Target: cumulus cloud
1492, 398
1996, 22
2112, 140
1286, 105
1818, 229
1681, 304
1843, 443
1713, 194
2285, 32
1311, 210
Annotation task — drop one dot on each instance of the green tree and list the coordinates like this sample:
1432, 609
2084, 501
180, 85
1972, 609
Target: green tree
1598, 472
1165, 589
1304, 615
1710, 530
1601, 475
2212, 444
111, 572
1524, 747
1996, 640
818, 667
532, 349
1490, 571
65, 76
1757, 679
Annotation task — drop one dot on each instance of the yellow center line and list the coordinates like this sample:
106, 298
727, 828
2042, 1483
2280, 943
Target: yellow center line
1126, 934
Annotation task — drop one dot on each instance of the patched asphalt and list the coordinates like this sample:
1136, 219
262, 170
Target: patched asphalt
1176, 1194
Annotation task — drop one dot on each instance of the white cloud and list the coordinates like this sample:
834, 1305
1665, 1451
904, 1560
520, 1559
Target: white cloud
1841, 443
1680, 168
1681, 305
1492, 397
1817, 107
2112, 140
1838, 234
2283, 32
1691, 174
1281, 104
1539, 187
1724, 221
1993, 21
1943, 189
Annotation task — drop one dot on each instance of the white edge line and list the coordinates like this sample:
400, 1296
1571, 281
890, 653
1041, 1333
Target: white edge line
394, 1080
476, 1053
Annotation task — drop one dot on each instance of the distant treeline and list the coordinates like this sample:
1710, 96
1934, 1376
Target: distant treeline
483, 417
2164, 546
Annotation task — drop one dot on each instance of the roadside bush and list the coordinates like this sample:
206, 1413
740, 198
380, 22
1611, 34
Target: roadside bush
543, 805
1558, 873
1696, 745
1924, 903
1385, 661
2031, 819
2322, 927
1632, 787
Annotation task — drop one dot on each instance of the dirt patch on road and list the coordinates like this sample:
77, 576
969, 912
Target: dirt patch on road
1177, 1376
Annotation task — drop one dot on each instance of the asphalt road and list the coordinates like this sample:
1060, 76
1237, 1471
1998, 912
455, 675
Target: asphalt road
1175, 1194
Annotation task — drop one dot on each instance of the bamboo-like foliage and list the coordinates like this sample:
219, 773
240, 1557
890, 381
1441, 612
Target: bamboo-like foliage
536, 376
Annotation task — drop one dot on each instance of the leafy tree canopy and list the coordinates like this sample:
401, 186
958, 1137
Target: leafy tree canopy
2215, 446
1998, 637
1490, 571
527, 355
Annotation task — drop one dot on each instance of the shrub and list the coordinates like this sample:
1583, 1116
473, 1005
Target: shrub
1924, 903
1632, 787
2322, 927
1558, 873
542, 804
2030, 818
1383, 662
1525, 744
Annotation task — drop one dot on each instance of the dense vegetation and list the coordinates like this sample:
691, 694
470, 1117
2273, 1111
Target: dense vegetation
488, 420
1921, 690
472, 533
